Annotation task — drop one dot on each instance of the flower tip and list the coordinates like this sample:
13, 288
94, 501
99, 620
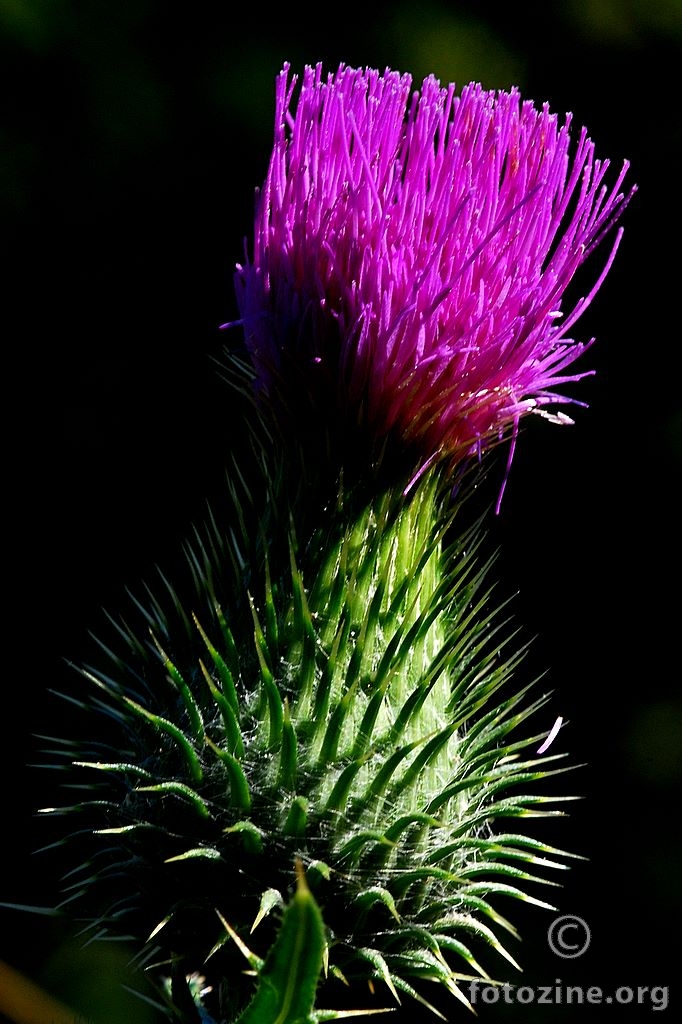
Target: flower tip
553, 733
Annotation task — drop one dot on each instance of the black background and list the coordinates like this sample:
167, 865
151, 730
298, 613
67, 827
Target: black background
132, 137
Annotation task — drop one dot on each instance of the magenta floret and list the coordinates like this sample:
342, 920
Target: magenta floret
414, 247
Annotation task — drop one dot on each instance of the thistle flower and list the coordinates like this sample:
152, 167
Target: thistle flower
334, 697
411, 254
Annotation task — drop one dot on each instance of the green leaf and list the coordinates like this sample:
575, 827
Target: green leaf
377, 894
288, 980
288, 754
274, 704
240, 794
226, 678
270, 899
198, 853
188, 698
339, 794
297, 817
233, 733
179, 789
163, 725
251, 836
374, 957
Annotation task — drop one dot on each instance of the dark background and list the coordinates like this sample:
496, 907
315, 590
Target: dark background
132, 136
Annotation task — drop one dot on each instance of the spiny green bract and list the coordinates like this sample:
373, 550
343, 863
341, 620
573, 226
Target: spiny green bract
351, 710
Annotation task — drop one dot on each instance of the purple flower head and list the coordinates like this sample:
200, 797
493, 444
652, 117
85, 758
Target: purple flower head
412, 250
